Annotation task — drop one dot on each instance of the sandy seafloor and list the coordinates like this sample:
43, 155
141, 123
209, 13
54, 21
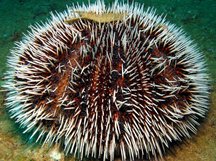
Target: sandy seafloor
196, 17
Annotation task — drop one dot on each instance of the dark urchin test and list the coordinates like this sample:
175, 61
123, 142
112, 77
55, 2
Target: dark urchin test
104, 81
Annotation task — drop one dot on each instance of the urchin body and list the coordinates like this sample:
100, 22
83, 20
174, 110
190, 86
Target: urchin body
104, 81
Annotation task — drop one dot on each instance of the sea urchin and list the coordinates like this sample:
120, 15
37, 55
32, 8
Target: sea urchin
104, 81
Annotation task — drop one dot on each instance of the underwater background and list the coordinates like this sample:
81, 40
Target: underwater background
196, 17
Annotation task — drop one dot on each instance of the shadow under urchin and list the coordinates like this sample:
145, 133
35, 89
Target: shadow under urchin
107, 81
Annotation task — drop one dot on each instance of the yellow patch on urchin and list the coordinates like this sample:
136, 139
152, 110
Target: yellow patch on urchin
100, 18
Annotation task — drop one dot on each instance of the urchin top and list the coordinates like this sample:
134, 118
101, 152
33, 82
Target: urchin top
105, 81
